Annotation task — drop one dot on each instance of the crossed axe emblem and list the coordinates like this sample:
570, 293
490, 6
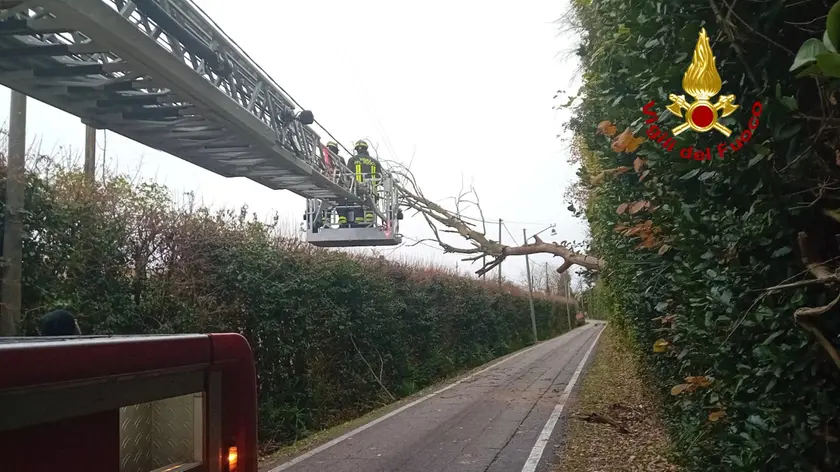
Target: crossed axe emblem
708, 118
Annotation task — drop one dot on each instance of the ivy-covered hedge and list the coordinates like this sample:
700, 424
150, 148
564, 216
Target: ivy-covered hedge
334, 335
745, 386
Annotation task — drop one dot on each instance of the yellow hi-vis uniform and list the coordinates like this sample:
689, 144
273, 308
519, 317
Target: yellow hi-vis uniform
365, 169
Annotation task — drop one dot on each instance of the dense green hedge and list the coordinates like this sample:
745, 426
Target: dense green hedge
127, 260
721, 231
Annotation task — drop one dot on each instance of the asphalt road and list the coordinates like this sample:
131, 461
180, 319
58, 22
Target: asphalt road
493, 421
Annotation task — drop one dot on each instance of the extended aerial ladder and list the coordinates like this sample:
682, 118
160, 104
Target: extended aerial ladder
162, 73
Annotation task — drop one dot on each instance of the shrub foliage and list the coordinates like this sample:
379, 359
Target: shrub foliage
334, 335
691, 246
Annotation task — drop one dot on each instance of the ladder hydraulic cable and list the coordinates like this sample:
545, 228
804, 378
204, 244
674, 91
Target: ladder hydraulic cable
162, 73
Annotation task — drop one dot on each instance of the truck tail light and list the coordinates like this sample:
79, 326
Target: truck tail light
232, 459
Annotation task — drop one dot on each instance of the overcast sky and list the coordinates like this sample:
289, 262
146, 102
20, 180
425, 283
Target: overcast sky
464, 88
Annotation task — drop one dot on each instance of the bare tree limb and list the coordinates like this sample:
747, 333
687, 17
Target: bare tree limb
440, 220
803, 283
818, 269
806, 316
822, 340
370, 369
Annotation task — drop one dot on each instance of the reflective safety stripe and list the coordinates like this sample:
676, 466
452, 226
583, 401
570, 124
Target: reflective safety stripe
358, 171
369, 217
372, 171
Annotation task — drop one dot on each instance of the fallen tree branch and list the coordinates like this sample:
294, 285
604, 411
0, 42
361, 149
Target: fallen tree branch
440, 220
818, 269
822, 340
804, 316
803, 283
370, 369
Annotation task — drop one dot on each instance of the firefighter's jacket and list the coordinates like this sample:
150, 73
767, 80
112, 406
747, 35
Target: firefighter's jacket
364, 167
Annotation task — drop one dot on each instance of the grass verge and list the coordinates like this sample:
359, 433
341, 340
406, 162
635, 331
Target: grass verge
614, 425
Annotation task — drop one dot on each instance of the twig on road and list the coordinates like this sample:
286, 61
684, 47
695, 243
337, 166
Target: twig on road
604, 419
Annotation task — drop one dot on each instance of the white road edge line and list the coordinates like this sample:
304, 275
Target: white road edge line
542, 440
399, 410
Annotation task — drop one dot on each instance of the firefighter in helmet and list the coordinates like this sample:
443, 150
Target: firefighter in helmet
335, 157
366, 171
339, 170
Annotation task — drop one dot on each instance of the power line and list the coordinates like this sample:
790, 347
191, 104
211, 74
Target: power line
495, 221
508, 232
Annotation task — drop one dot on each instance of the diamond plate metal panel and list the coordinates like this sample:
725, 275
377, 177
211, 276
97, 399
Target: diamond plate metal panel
160, 433
135, 438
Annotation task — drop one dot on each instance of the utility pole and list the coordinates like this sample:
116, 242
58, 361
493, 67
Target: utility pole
500, 264
10, 290
104, 151
547, 288
566, 286
90, 153
530, 290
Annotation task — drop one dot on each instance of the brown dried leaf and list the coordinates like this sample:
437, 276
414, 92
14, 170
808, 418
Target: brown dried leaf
682, 388
716, 415
665, 248
621, 141
621, 208
599, 179
606, 128
637, 164
634, 144
644, 174
638, 206
700, 381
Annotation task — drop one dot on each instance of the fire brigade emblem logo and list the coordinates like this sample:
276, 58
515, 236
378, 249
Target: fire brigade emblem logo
702, 82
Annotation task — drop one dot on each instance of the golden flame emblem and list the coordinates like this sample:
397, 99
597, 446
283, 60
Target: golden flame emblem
702, 82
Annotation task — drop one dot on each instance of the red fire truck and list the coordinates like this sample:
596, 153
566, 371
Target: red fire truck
128, 404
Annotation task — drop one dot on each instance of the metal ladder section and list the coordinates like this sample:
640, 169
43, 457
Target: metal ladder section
161, 73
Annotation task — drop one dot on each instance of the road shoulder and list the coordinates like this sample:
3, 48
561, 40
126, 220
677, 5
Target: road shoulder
613, 391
